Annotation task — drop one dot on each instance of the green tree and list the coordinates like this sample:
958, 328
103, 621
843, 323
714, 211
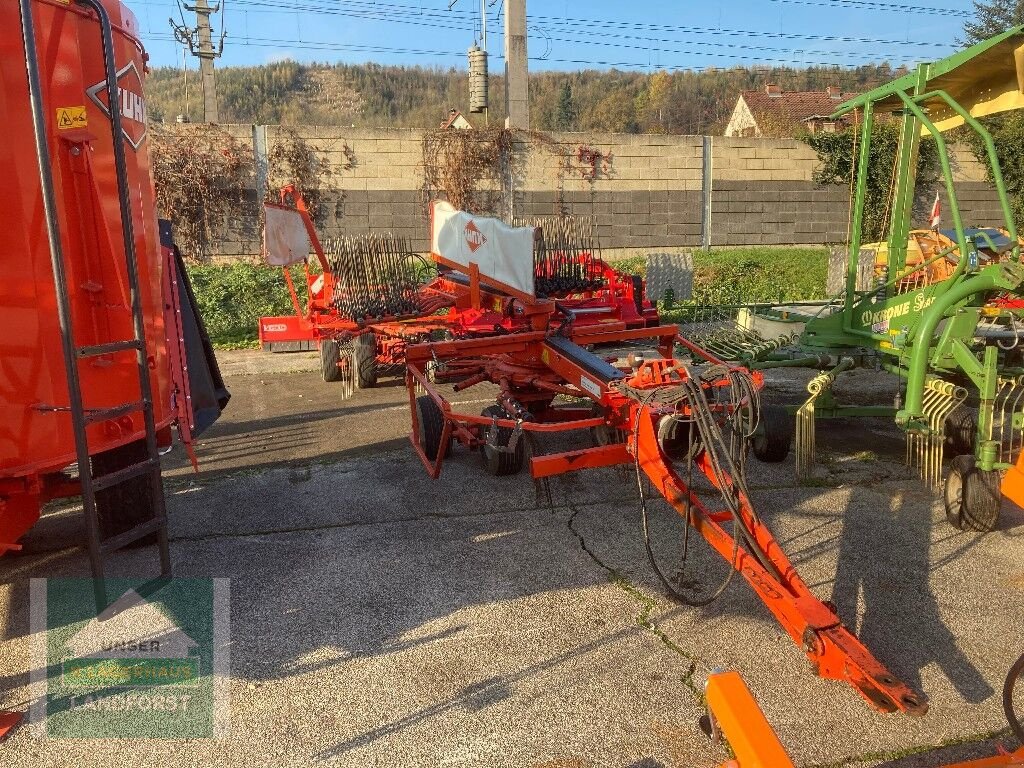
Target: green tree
837, 156
565, 109
993, 17
1008, 133
653, 103
613, 114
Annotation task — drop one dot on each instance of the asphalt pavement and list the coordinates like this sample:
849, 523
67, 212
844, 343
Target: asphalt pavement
379, 618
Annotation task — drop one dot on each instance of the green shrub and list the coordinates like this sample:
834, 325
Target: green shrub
233, 297
751, 274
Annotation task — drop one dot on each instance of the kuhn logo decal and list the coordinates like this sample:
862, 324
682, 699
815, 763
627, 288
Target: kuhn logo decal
474, 237
130, 102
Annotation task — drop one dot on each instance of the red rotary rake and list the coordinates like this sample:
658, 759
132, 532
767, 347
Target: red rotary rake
686, 424
372, 296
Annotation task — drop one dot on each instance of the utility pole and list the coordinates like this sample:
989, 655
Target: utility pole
199, 40
206, 56
517, 75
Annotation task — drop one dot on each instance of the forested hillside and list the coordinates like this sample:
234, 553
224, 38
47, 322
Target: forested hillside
371, 95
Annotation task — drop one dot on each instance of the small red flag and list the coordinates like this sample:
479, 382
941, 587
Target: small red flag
936, 216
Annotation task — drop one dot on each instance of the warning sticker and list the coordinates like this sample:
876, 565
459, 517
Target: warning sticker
71, 117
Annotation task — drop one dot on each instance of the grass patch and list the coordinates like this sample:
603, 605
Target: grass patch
752, 274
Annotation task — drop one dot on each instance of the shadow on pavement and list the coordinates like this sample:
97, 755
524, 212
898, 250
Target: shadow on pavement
885, 566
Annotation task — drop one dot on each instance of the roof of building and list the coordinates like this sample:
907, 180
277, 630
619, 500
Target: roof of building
794, 106
454, 116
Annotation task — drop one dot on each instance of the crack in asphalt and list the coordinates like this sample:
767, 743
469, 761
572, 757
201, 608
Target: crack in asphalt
647, 604
369, 523
924, 749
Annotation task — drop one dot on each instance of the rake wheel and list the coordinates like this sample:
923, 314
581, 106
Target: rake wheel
971, 496
431, 426
497, 462
774, 435
364, 359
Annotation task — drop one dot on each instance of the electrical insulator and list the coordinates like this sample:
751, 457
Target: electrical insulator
477, 79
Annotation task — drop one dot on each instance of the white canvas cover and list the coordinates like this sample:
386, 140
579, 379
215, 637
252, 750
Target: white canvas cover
285, 239
501, 252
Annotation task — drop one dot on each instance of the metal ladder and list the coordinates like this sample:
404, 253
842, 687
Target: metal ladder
82, 417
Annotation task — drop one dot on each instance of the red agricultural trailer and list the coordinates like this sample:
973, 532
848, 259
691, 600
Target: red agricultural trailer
102, 351
368, 297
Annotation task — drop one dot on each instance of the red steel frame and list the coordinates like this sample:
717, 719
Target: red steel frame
526, 369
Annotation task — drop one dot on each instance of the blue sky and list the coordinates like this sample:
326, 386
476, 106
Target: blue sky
567, 35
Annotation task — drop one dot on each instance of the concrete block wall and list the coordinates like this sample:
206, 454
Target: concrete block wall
383, 191
649, 199
763, 193
652, 197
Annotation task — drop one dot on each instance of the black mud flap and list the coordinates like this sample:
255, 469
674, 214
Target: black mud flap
206, 385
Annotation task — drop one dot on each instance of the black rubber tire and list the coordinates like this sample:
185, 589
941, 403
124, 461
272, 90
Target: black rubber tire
774, 435
605, 435
128, 504
364, 357
674, 438
330, 356
431, 421
501, 463
971, 496
961, 432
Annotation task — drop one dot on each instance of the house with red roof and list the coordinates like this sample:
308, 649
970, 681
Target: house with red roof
775, 113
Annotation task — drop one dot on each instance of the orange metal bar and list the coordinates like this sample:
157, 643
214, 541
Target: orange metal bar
755, 743
8, 722
589, 458
743, 724
482, 280
291, 290
834, 652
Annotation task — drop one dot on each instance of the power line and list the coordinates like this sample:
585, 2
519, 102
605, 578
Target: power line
881, 6
256, 42
392, 12
392, 16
